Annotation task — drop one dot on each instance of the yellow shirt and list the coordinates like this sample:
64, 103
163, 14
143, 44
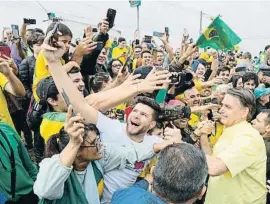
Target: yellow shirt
216, 135
41, 71
4, 112
242, 149
198, 85
194, 120
117, 52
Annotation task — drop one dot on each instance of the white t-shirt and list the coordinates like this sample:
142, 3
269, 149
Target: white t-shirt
113, 131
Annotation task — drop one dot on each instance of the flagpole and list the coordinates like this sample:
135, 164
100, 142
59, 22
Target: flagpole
201, 16
138, 18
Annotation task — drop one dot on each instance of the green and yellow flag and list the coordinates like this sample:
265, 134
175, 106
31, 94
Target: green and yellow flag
218, 36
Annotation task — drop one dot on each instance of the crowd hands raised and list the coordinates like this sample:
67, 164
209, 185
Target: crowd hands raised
100, 121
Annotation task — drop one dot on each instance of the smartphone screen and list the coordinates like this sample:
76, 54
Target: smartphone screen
15, 31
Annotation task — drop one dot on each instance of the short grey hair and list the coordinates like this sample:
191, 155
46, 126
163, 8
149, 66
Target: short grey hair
246, 98
180, 173
222, 88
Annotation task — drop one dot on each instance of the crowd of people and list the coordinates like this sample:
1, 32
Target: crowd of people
101, 121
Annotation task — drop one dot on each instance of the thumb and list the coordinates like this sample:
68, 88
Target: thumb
69, 113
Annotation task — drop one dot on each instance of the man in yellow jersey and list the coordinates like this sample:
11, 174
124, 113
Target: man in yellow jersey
120, 52
237, 163
10, 83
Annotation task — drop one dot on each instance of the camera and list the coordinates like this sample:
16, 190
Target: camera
171, 113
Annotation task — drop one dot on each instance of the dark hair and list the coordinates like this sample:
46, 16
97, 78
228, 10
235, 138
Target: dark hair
62, 28
203, 62
235, 79
74, 70
151, 103
223, 69
247, 55
59, 141
246, 98
251, 76
96, 81
180, 173
35, 37
109, 67
121, 39
52, 93
138, 46
145, 51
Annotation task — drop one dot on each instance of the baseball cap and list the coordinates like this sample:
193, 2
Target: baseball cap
45, 88
259, 92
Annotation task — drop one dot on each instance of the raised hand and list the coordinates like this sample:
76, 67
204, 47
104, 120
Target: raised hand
155, 80
52, 54
174, 133
86, 46
5, 69
74, 127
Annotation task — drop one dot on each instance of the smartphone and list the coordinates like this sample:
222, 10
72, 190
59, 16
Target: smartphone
94, 30
167, 31
5, 50
111, 13
29, 21
54, 37
157, 34
15, 31
125, 65
100, 45
66, 99
147, 39
137, 41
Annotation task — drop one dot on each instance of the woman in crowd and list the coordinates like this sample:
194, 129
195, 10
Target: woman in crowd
77, 160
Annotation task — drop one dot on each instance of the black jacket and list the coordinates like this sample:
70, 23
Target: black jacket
26, 73
89, 61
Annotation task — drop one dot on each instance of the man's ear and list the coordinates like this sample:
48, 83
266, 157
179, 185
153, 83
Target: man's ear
51, 101
152, 125
200, 194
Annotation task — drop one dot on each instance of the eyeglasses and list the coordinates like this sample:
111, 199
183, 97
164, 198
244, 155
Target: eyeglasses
95, 143
116, 65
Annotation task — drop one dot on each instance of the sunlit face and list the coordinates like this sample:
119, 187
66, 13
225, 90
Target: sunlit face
144, 46
230, 106
102, 57
221, 96
259, 123
160, 58
192, 97
177, 53
181, 123
264, 99
9, 34
37, 48
77, 79
225, 76
59, 105
250, 85
200, 70
147, 59
66, 40
122, 44
239, 83
140, 120
137, 52
116, 66
90, 149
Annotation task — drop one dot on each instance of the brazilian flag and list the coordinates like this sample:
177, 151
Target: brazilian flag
218, 36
